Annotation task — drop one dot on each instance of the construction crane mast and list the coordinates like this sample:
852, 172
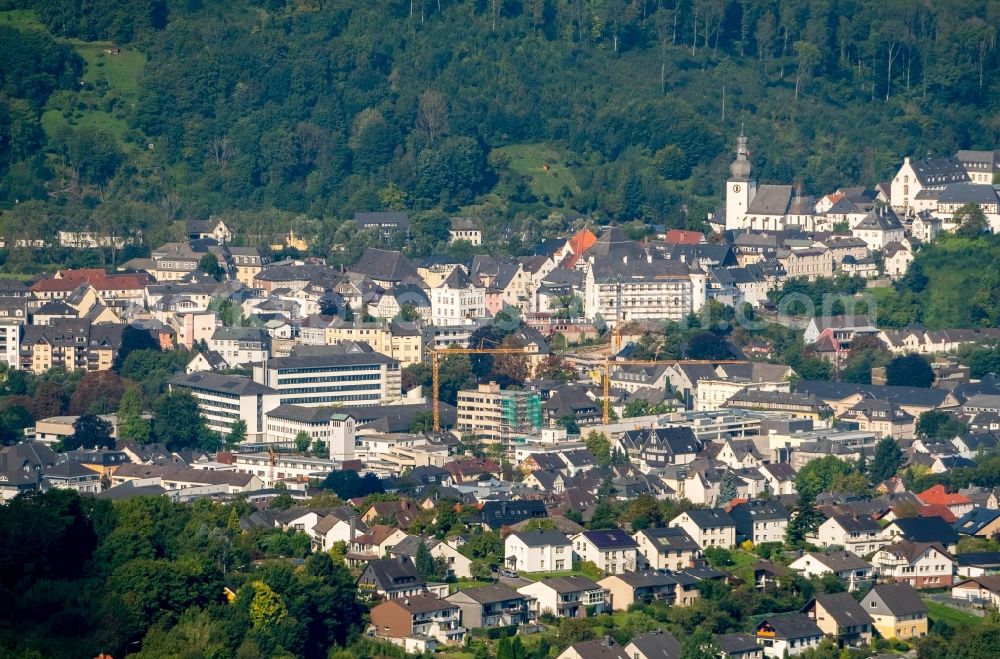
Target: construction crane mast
436, 370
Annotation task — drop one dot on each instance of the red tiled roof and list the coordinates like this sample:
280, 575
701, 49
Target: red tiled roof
681, 237
582, 241
81, 274
54, 285
939, 495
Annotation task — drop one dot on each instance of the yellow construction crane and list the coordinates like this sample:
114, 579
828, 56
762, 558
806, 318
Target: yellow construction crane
436, 370
608, 363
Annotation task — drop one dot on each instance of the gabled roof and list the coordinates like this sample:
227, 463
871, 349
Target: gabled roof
912, 551
937, 494
571, 584
926, 529
771, 200
659, 644
791, 626
385, 265
610, 539
842, 607
976, 520
542, 538
840, 561
670, 539
705, 518
897, 599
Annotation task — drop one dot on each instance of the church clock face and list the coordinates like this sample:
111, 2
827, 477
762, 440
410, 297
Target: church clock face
736, 188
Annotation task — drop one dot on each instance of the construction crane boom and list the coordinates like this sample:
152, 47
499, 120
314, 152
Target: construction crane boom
608, 363
436, 370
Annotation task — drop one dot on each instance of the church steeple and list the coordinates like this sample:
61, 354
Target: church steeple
741, 188
740, 168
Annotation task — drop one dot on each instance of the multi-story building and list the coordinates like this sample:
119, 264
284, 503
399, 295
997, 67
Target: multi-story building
10, 341
325, 424
248, 262
272, 468
896, 610
613, 551
401, 341
712, 527
538, 551
348, 374
567, 597
418, 623
920, 564
172, 261
667, 548
457, 300
225, 399
492, 606
194, 327
241, 345
499, 416
70, 344
625, 282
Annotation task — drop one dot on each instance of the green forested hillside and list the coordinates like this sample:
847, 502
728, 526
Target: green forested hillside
300, 112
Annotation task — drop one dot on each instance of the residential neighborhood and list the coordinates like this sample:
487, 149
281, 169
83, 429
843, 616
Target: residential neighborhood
502, 448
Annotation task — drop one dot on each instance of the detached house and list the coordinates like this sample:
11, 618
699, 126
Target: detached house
391, 578
667, 548
418, 622
760, 521
922, 529
631, 588
897, 611
787, 634
538, 551
858, 534
492, 606
841, 617
920, 564
653, 448
567, 597
612, 550
711, 527
983, 589
850, 568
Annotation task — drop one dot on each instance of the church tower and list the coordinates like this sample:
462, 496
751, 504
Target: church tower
740, 188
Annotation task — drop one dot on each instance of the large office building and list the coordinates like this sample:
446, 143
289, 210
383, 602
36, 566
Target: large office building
322, 424
345, 374
226, 399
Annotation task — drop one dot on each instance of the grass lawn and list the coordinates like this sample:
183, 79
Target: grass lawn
121, 70
940, 612
117, 75
544, 166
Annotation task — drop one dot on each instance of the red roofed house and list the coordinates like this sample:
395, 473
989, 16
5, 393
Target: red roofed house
575, 247
958, 504
470, 469
681, 237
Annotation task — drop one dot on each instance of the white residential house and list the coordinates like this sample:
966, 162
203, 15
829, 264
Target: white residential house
850, 568
567, 597
920, 564
667, 548
612, 550
457, 300
861, 535
711, 527
538, 551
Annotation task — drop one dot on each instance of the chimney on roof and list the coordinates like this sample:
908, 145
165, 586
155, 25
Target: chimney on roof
607, 640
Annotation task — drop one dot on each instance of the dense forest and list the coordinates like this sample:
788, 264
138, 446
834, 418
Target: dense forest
127, 116
149, 577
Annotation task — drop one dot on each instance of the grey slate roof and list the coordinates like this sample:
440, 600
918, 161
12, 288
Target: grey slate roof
771, 200
843, 608
228, 384
898, 599
542, 538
